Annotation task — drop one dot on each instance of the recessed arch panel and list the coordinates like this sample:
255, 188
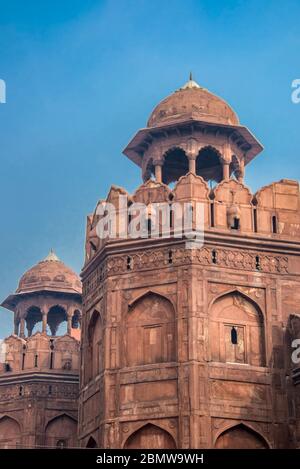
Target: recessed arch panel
150, 437
240, 437
150, 331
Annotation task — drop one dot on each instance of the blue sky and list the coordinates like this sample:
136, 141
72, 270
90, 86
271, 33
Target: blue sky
83, 75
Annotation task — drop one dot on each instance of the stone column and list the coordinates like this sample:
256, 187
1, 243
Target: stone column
69, 325
16, 323
45, 317
241, 171
192, 165
225, 170
158, 170
22, 327
16, 327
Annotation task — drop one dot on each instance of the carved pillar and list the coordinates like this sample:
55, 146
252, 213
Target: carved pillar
45, 317
192, 165
158, 170
241, 172
16, 327
22, 327
16, 323
69, 325
225, 170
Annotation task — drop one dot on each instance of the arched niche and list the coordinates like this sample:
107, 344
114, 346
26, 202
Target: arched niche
234, 167
76, 319
209, 165
150, 437
150, 331
237, 330
10, 433
232, 198
94, 351
60, 432
240, 437
176, 164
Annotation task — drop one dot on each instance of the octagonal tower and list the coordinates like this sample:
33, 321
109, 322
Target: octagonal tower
188, 348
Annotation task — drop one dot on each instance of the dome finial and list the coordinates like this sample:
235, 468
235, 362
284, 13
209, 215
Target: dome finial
190, 84
51, 256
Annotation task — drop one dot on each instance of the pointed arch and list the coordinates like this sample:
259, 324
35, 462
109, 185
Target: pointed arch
240, 436
150, 436
10, 432
233, 310
209, 164
57, 315
150, 331
176, 164
94, 349
151, 291
33, 320
61, 431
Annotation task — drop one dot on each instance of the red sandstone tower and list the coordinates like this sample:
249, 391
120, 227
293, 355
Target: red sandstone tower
39, 375
190, 348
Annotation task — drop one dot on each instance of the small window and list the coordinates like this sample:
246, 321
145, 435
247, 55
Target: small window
35, 361
234, 337
171, 220
23, 361
257, 263
212, 214
255, 220
170, 257
274, 224
51, 360
21, 391
214, 256
7, 367
129, 263
149, 226
61, 444
235, 224
50, 390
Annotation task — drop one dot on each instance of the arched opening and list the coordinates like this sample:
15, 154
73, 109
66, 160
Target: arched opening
235, 225
76, 319
150, 331
240, 437
57, 320
61, 444
34, 320
237, 330
234, 167
150, 437
150, 171
95, 347
176, 164
209, 166
91, 443
62, 430
10, 433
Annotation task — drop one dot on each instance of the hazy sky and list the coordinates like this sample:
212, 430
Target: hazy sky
82, 76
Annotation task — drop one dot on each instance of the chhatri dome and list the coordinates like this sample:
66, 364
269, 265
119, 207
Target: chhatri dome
49, 292
50, 274
195, 131
189, 102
